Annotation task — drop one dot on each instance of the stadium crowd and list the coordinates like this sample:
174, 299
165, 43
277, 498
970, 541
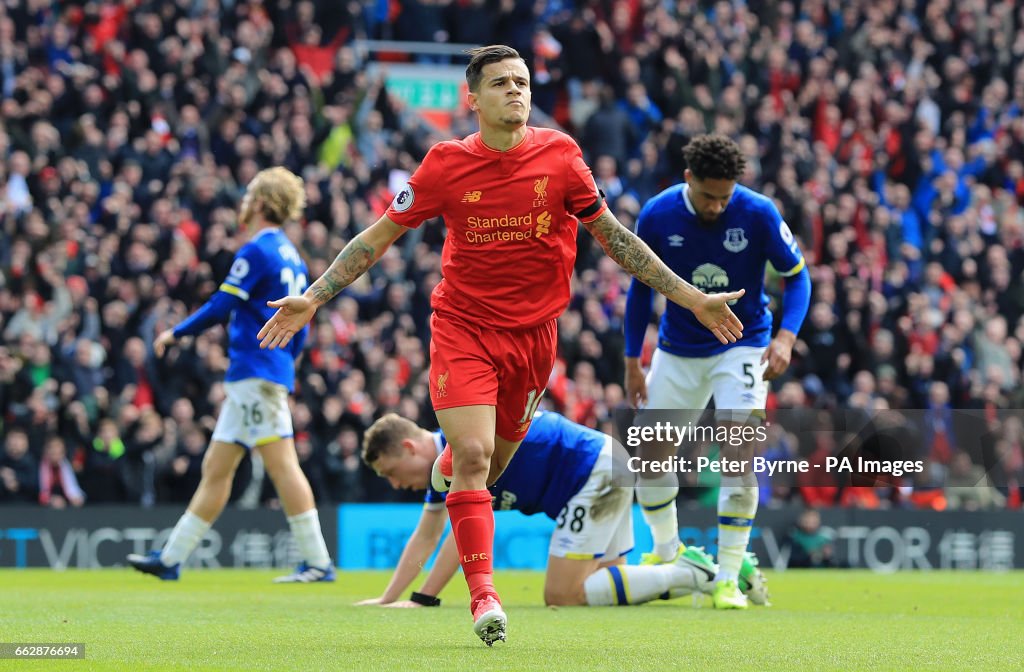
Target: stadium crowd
890, 133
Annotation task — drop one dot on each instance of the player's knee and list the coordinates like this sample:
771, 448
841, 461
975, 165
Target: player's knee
564, 596
657, 479
217, 472
472, 457
215, 481
742, 498
280, 471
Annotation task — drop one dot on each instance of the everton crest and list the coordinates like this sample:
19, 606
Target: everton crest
735, 240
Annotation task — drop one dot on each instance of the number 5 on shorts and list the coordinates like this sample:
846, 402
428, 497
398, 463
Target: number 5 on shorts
748, 373
532, 402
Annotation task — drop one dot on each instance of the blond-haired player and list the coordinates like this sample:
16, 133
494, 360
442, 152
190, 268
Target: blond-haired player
255, 415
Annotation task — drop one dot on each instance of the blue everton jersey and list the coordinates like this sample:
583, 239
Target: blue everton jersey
726, 256
550, 467
268, 267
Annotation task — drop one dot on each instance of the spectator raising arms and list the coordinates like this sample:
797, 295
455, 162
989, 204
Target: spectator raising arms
889, 134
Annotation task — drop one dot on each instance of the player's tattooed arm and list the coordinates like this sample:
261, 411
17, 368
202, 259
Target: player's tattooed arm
295, 312
356, 258
634, 255
351, 262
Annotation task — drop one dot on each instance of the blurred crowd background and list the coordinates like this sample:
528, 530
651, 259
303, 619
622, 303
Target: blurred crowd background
889, 132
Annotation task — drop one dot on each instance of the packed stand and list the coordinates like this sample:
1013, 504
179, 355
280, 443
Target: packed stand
890, 134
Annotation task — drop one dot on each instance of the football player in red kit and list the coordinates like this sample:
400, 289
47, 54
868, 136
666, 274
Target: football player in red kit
511, 196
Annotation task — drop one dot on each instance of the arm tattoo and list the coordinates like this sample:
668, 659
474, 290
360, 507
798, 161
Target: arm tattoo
633, 254
350, 263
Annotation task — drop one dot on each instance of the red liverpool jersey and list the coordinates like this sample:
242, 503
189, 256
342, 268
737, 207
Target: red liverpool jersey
511, 219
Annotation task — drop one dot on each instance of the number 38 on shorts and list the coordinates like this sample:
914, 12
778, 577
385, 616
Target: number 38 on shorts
597, 522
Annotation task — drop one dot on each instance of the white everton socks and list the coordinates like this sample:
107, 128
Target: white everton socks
305, 528
185, 536
737, 504
310, 539
636, 584
657, 498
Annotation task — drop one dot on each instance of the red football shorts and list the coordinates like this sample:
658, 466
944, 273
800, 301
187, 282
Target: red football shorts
507, 369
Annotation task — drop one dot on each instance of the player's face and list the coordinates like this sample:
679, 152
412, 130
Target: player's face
503, 99
709, 197
403, 470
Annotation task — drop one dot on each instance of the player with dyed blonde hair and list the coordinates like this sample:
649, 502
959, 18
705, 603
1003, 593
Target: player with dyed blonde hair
255, 415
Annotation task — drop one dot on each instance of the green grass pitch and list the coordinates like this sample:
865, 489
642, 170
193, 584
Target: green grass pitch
238, 620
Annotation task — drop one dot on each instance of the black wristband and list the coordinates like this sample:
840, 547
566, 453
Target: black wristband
425, 600
593, 208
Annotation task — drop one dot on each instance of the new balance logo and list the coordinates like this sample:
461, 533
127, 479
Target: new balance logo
472, 196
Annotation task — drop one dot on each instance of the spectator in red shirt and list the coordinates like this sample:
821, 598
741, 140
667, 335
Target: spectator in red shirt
58, 486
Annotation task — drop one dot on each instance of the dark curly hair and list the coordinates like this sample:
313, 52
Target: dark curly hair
714, 157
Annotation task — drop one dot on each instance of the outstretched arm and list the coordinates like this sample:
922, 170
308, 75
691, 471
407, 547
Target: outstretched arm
419, 547
215, 311
356, 258
295, 312
635, 256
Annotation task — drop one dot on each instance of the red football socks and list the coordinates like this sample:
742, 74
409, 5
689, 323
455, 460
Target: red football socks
473, 526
